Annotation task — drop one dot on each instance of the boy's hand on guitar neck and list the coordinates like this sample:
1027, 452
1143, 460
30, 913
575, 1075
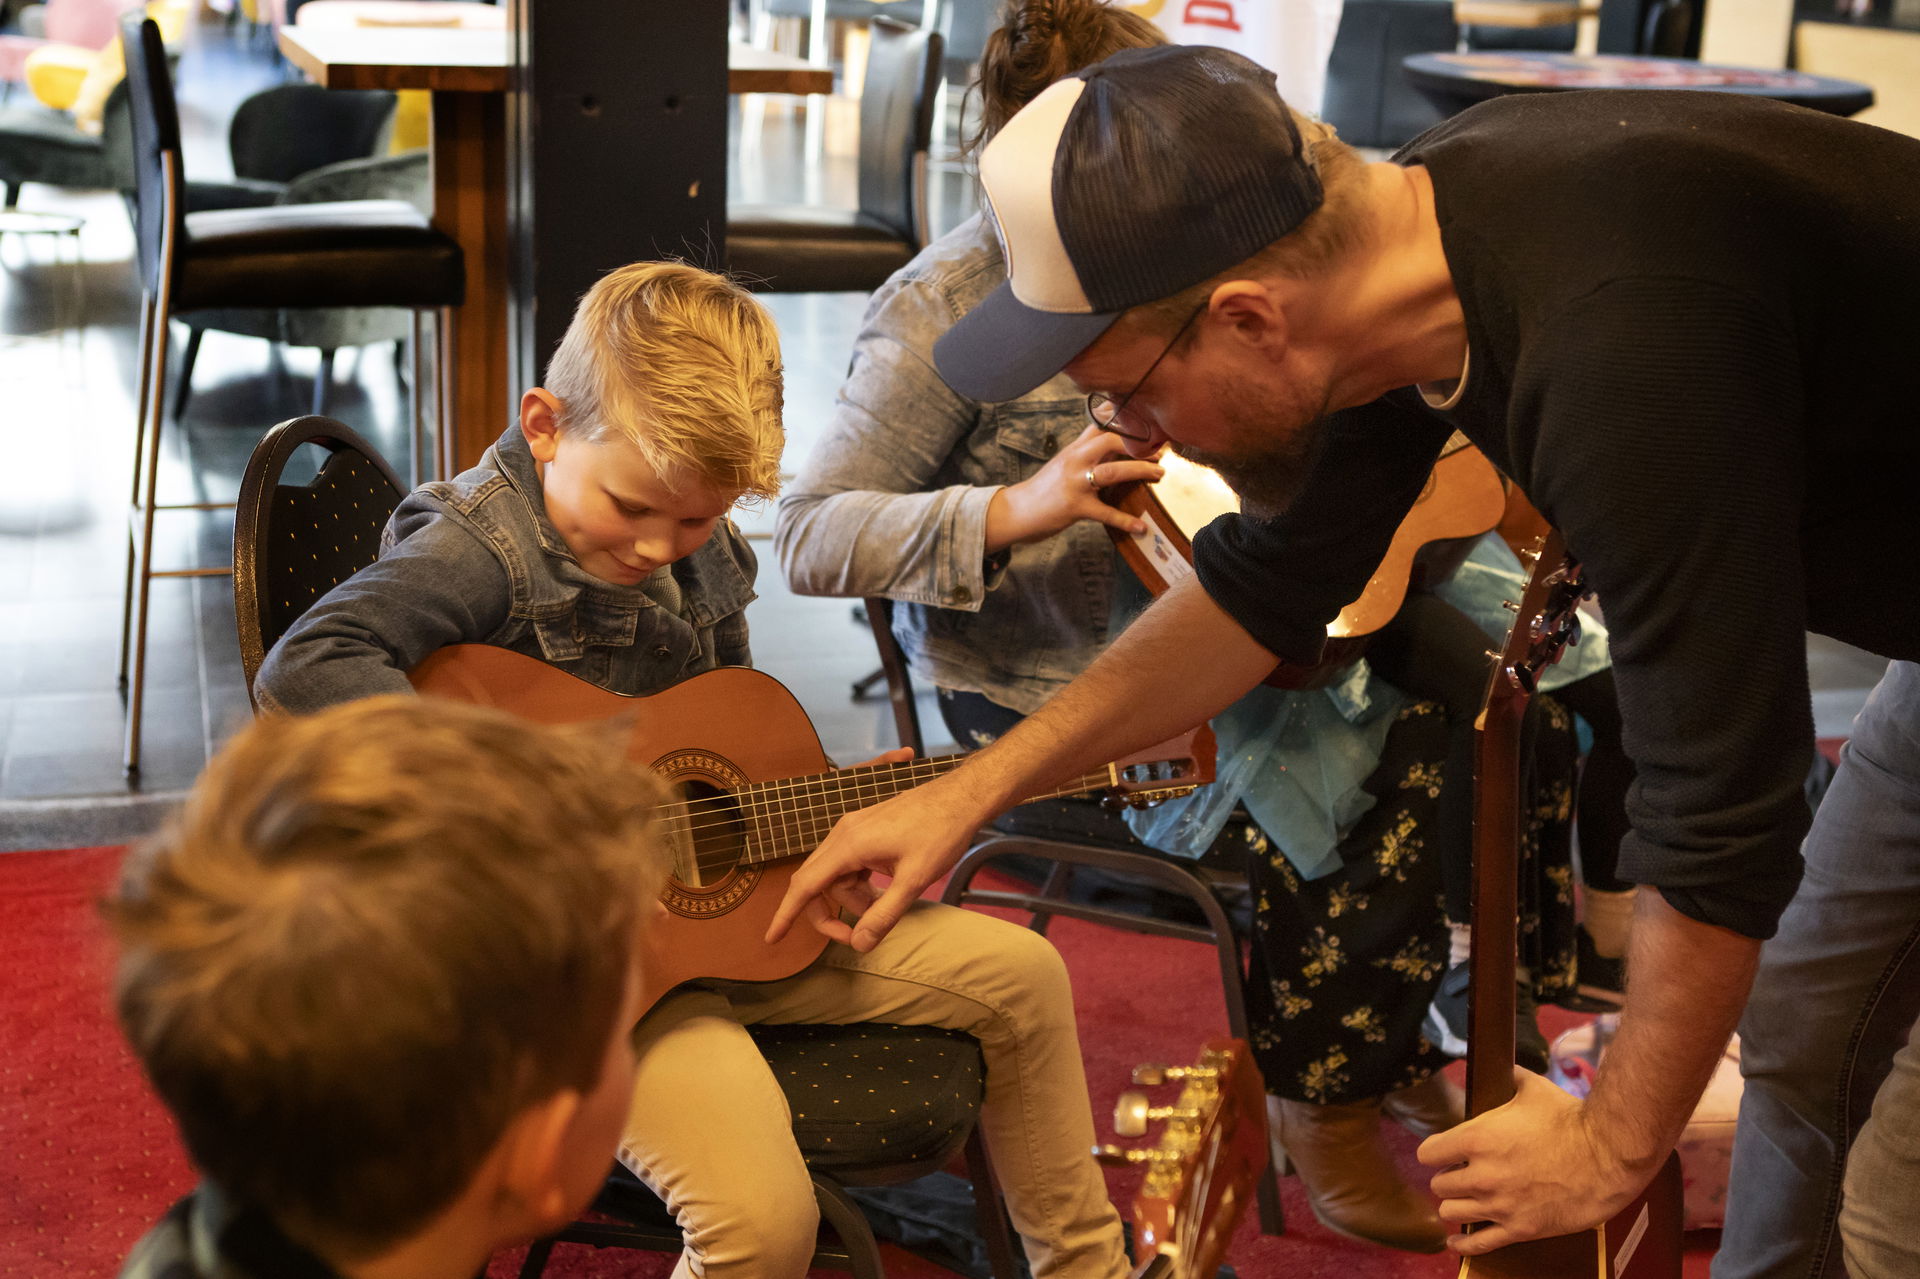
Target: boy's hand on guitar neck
1534, 1167
1058, 495
915, 838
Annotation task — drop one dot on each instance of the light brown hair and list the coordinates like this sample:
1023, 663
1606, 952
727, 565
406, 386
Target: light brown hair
370, 939
1041, 41
682, 363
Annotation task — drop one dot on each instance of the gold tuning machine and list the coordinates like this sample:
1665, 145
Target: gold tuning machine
1152, 1076
1121, 1155
1132, 1112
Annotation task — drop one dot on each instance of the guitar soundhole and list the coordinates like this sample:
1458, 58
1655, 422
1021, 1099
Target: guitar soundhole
707, 834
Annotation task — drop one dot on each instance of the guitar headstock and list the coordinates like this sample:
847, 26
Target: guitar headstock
1202, 1169
1166, 771
1546, 618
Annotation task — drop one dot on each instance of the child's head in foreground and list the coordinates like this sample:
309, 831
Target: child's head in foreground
660, 411
382, 969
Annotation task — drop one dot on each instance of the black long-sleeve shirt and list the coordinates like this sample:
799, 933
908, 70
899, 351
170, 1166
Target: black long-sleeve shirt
1693, 321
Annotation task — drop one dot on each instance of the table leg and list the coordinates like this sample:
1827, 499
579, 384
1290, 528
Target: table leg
470, 204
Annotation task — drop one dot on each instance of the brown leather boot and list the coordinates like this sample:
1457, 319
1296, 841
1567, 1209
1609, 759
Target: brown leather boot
1352, 1184
1433, 1105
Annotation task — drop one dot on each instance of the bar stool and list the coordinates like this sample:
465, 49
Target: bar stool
359, 253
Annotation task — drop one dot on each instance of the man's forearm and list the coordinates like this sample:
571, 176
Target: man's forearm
1183, 661
1688, 983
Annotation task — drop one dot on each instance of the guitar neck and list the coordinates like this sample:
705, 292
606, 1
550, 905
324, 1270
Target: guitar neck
791, 816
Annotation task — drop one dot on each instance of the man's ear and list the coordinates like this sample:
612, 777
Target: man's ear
531, 1163
540, 422
1251, 312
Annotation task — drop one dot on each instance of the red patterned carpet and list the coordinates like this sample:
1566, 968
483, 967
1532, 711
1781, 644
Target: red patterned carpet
88, 1159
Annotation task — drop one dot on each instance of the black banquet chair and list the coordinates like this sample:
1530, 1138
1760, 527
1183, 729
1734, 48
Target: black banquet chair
361, 253
778, 248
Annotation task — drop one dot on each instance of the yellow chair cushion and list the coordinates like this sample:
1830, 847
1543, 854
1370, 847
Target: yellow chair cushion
412, 120
109, 66
56, 71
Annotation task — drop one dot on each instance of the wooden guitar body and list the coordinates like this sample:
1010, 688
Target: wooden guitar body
709, 735
1642, 1241
1463, 497
754, 794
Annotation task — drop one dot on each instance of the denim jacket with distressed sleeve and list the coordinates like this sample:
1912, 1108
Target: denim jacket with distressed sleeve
893, 500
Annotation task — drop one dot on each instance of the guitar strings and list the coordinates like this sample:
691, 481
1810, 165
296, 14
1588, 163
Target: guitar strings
808, 824
800, 822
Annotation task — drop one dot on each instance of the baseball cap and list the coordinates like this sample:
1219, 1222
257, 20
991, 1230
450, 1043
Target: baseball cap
1126, 182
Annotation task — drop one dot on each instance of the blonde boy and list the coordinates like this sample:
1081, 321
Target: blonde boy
593, 536
593, 533
385, 987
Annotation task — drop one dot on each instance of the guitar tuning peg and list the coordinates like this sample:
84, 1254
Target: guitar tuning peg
1531, 554
1132, 1112
1494, 653
1512, 606
1119, 1155
1152, 1075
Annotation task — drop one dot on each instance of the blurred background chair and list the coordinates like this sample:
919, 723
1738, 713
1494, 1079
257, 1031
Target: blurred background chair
802, 248
1368, 99
354, 253
88, 25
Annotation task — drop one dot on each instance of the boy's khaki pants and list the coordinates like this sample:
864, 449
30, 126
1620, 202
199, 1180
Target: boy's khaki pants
711, 1133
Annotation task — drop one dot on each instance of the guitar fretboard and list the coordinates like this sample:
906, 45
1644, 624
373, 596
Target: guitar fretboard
789, 817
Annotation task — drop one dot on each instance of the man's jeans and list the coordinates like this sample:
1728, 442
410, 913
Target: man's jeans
1826, 1160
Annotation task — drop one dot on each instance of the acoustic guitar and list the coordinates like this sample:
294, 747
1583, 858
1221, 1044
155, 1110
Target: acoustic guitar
755, 794
1463, 497
1203, 1169
1642, 1241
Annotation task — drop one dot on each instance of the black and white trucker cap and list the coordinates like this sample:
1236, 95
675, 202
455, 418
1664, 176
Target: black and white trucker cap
1135, 178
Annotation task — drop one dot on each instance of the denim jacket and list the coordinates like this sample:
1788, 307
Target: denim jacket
893, 500
474, 560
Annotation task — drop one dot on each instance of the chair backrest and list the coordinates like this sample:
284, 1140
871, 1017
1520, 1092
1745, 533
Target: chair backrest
1368, 98
91, 24
158, 178
290, 129
896, 126
292, 543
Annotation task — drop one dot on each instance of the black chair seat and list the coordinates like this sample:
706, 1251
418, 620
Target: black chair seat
872, 1103
47, 128
348, 253
808, 249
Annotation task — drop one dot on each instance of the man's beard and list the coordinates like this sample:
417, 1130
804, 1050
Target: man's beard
1268, 473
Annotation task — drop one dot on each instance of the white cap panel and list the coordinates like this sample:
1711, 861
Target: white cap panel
1017, 171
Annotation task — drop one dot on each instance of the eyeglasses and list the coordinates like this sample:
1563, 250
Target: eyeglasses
1105, 410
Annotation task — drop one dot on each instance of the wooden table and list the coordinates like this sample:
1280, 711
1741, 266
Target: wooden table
467, 72
1526, 14
1455, 81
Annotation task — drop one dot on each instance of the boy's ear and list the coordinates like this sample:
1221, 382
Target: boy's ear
540, 422
532, 1164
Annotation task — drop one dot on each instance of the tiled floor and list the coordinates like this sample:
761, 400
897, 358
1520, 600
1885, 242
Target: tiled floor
66, 435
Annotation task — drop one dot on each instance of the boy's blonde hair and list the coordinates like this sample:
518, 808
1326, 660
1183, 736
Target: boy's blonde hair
369, 940
685, 365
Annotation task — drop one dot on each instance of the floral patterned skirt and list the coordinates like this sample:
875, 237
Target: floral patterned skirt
1344, 966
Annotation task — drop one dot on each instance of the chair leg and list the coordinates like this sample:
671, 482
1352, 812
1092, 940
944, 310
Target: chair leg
154, 380
323, 381
1058, 884
536, 1263
416, 429
840, 1212
989, 1210
133, 497
12, 190
182, 392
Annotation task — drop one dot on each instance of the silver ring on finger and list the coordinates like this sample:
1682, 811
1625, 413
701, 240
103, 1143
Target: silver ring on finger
1091, 482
